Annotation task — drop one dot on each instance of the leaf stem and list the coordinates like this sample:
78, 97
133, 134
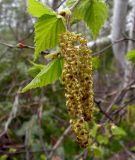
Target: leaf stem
72, 9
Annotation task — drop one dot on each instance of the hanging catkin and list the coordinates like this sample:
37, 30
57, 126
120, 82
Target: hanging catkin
77, 78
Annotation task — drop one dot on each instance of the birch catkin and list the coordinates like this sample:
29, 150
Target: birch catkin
77, 78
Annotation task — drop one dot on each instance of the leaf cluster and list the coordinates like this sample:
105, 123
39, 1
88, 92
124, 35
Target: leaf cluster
50, 25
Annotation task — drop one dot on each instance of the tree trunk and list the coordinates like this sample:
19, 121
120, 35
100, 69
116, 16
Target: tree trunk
118, 30
131, 45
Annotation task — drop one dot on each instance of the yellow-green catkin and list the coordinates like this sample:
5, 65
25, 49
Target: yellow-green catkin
77, 78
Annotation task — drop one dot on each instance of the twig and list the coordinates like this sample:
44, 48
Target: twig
28, 133
104, 113
15, 46
83, 155
69, 17
122, 107
12, 113
40, 109
8, 45
59, 4
75, 4
19, 152
26, 143
60, 140
113, 43
127, 151
118, 96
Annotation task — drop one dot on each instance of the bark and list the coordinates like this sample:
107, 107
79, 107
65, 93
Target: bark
55, 4
100, 43
118, 30
131, 45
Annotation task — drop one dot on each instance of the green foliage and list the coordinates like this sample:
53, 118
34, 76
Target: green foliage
102, 139
48, 27
96, 63
118, 131
93, 12
48, 74
72, 149
37, 9
35, 69
4, 157
133, 149
69, 3
13, 69
131, 55
93, 131
98, 151
43, 157
47, 31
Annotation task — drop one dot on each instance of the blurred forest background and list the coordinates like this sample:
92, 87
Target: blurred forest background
35, 125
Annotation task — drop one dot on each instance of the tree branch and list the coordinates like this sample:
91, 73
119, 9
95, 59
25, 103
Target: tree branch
59, 142
12, 113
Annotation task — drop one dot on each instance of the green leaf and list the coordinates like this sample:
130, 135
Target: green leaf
98, 151
47, 31
96, 63
93, 12
48, 75
35, 69
131, 55
133, 149
102, 139
94, 130
3, 157
37, 9
118, 131
43, 157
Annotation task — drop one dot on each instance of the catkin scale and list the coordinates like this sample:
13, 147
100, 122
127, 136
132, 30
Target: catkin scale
77, 78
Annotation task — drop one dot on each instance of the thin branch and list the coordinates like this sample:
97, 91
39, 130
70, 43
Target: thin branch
117, 98
127, 150
15, 46
120, 94
59, 4
75, 4
8, 45
82, 155
12, 113
103, 112
69, 17
123, 107
19, 152
40, 112
26, 143
110, 45
60, 140
95, 54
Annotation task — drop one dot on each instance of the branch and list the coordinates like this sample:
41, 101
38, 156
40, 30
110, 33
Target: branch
123, 107
127, 150
59, 4
8, 45
75, 4
118, 98
103, 112
113, 43
69, 17
12, 113
60, 140
39, 115
19, 45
